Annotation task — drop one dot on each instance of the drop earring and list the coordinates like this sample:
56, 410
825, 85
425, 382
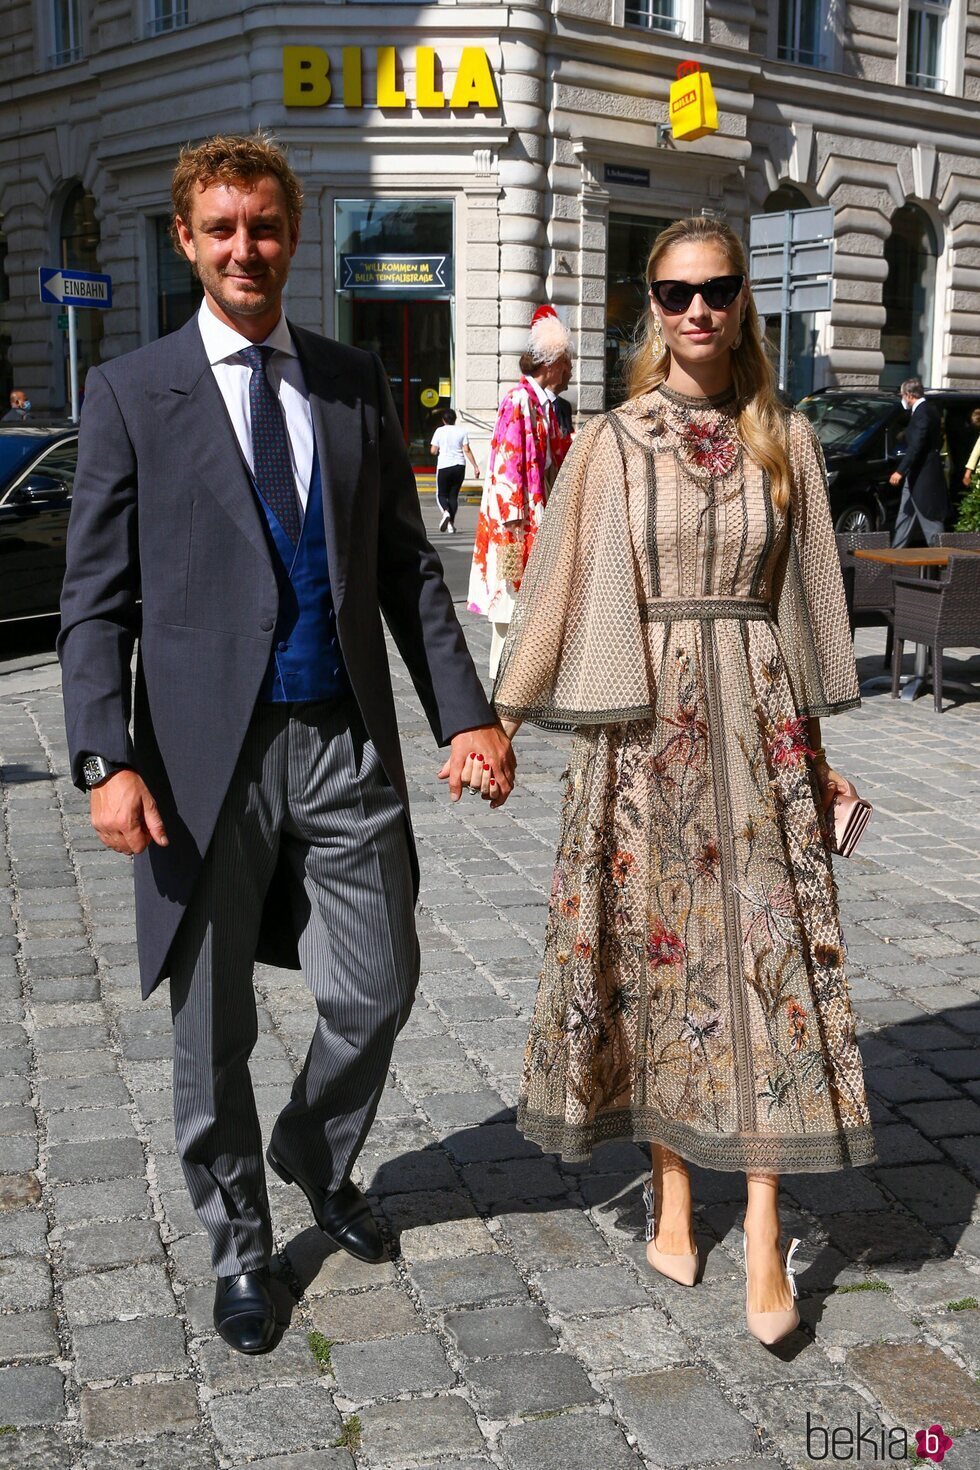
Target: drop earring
737, 339
657, 344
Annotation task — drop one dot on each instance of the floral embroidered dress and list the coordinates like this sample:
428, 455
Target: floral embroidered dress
526, 451
693, 990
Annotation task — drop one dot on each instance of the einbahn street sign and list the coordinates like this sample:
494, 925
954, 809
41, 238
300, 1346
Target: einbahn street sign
60, 286
63, 287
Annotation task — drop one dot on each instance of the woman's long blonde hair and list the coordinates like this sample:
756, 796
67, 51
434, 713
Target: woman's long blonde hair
761, 422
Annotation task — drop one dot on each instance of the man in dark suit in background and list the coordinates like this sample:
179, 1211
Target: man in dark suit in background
924, 503
245, 507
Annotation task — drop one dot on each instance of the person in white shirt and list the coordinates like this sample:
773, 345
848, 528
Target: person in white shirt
451, 444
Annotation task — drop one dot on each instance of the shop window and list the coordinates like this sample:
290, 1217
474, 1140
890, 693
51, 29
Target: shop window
179, 292
925, 44
909, 297
802, 32
629, 241
655, 15
65, 24
394, 284
166, 15
79, 249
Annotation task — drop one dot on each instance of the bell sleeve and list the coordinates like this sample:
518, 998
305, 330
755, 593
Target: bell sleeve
575, 653
808, 594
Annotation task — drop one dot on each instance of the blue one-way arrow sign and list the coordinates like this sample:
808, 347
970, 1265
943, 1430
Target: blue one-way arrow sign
61, 287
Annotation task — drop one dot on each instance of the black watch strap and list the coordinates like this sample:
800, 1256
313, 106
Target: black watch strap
95, 770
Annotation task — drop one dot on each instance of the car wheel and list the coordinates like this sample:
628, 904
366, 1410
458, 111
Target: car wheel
858, 518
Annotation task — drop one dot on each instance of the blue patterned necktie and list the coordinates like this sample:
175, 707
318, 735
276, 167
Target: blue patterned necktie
272, 466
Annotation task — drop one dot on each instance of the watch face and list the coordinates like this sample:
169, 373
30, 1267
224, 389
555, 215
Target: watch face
94, 769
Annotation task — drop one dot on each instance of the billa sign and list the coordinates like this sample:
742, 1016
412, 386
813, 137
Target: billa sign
307, 80
369, 273
693, 109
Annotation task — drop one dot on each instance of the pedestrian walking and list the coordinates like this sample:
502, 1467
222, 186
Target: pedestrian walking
924, 503
684, 615
526, 452
451, 445
19, 411
973, 460
248, 480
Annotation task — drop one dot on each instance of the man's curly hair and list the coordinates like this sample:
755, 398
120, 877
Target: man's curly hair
230, 159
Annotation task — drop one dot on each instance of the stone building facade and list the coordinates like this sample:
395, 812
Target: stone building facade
446, 195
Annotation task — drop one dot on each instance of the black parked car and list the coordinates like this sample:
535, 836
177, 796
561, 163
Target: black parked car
37, 471
862, 430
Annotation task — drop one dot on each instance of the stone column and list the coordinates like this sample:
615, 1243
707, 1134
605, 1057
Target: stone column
523, 182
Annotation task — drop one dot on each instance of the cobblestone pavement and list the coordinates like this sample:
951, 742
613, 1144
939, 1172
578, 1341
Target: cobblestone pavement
516, 1324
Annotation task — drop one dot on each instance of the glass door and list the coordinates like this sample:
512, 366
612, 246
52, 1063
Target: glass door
414, 341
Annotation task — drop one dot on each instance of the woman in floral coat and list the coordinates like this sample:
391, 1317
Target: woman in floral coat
684, 614
526, 452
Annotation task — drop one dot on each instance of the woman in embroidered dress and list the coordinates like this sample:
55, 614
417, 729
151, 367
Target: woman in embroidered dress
526, 452
684, 615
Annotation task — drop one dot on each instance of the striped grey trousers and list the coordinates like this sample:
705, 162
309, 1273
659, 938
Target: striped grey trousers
310, 790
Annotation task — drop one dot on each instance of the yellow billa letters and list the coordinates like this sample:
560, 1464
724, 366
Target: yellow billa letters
305, 76
474, 81
306, 79
389, 94
426, 92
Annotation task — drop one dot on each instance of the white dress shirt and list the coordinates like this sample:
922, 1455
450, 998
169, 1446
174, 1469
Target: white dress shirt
232, 374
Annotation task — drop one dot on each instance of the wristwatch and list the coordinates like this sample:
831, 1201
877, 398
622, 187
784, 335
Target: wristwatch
95, 770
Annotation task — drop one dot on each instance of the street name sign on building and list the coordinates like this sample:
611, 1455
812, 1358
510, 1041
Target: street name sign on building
791, 261
63, 287
60, 286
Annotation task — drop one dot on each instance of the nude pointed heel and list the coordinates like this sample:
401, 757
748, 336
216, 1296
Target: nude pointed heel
681, 1268
772, 1327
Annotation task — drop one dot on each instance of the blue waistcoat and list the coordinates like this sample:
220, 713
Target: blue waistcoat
306, 662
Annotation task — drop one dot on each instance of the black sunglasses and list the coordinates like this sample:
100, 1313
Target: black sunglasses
676, 296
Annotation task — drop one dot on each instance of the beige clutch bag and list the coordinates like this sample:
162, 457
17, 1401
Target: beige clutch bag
510, 560
851, 814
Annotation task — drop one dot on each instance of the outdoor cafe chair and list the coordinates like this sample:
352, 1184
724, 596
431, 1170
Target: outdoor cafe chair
965, 540
867, 584
941, 614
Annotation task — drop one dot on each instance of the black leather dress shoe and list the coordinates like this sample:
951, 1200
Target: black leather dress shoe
344, 1216
244, 1313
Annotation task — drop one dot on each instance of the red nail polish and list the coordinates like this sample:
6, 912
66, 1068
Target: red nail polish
492, 781
472, 755
479, 757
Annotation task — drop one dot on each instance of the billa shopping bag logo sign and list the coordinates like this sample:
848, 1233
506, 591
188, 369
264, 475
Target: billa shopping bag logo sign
693, 109
871, 1443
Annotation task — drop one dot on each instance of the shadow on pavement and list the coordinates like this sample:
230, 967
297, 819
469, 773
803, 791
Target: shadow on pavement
887, 1219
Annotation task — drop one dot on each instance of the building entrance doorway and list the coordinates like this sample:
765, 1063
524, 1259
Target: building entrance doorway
414, 341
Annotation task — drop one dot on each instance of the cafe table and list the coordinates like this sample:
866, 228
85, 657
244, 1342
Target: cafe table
929, 560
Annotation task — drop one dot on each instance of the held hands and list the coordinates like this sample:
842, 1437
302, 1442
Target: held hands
830, 784
483, 761
124, 814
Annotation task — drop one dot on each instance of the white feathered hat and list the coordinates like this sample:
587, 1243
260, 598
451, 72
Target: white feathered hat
550, 339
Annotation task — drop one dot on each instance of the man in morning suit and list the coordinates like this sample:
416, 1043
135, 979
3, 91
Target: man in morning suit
924, 503
244, 507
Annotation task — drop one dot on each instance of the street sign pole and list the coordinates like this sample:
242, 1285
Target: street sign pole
791, 256
784, 313
73, 362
